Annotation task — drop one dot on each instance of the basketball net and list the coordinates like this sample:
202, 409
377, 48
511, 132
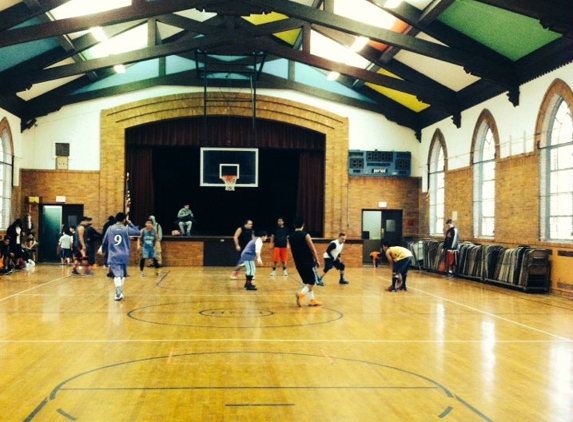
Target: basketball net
229, 182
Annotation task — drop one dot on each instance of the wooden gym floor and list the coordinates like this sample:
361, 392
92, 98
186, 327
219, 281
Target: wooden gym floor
193, 345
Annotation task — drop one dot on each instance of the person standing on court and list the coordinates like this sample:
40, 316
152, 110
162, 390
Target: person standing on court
451, 245
279, 243
110, 221
65, 246
242, 236
90, 235
185, 220
146, 243
332, 258
399, 259
305, 260
159, 231
252, 252
80, 247
117, 239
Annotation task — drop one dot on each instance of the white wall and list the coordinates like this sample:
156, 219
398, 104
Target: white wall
79, 125
14, 123
516, 125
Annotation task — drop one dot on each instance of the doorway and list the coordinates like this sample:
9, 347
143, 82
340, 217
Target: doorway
53, 220
377, 226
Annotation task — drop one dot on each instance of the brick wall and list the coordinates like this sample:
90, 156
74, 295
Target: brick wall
517, 184
459, 198
400, 193
115, 121
79, 188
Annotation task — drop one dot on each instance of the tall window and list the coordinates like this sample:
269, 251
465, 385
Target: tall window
5, 173
436, 179
484, 177
556, 167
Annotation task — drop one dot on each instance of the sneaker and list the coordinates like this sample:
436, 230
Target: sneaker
251, 287
285, 273
141, 274
319, 282
75, 272
403, 288
273, 273
118, 293
390, 289
314, 302
235, 275
247, 285
299, 298
88, 272
343, 282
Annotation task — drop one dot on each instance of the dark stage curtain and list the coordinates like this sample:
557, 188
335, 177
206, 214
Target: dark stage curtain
139, 165
142, 143
310, 200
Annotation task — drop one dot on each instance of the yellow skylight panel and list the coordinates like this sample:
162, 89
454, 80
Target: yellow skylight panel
407, 100
265, 18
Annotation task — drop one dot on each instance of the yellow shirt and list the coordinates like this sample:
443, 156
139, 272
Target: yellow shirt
398, 253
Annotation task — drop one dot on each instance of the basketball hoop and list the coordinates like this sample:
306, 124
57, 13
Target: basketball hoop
230, 181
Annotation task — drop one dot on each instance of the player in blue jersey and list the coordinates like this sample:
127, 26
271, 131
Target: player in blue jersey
146, 243
117, 239
252, 252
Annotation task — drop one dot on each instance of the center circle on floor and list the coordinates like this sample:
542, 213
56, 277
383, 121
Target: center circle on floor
249, 314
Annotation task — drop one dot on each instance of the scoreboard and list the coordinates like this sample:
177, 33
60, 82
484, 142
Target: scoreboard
379, 163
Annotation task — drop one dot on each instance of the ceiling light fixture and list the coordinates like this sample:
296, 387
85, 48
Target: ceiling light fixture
391, 4
359, 43
119, 68
332, 76
98, 34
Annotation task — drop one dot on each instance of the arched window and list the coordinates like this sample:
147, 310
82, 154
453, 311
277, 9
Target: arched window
556, 166
6, 157
436, 182
484, 154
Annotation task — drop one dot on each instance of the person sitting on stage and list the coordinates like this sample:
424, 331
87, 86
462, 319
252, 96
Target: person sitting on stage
185, 220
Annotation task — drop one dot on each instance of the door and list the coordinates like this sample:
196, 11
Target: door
392, 227
53, 220
50, 232
371, 232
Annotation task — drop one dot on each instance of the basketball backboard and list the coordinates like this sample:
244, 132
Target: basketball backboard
240, 162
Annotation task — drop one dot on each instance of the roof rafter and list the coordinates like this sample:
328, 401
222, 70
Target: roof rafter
481, 66
139, 10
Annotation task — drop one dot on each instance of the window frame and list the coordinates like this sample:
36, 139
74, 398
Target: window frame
6, 173
485, 153
437, 164
559, 99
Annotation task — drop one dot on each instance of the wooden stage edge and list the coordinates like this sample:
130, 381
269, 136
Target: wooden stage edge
220, 251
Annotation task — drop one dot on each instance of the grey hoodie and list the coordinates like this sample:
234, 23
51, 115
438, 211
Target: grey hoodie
157, 228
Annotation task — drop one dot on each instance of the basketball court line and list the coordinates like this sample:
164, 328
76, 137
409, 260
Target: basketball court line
33, 288
310, 340
495, 316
